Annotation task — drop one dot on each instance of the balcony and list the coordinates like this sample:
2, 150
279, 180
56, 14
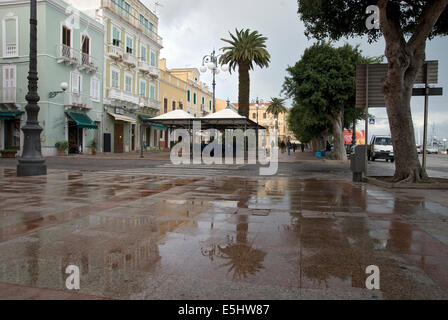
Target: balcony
11, 51
130, 60
66, 54
77, 100
115, 52
8, 95
122, 96
114, 7
150, 103
145, 68
88, 63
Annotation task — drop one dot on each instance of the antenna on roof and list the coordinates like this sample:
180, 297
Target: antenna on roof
157, 4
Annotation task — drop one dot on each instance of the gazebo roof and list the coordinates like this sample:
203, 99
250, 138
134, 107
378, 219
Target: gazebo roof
174, 115
224, 114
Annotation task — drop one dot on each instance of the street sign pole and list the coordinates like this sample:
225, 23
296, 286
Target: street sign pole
425, 124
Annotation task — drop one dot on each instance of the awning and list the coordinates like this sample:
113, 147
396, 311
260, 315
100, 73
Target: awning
82, 120
120, 117
155, 126
10, 115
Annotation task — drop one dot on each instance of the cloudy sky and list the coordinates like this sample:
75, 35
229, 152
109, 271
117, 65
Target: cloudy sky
193, 28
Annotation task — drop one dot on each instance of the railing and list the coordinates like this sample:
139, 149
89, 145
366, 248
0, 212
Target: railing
114, 51
117, 94
8, 95
66, 54
88, 62
127, 16
150, 103
78, 100
130, 59
11, 50
143, 66
154, 71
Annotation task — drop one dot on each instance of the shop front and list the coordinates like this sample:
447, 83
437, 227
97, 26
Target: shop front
10, 128
152, 133
77, 122
124, 133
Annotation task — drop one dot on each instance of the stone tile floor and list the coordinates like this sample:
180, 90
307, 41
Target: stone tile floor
149, 237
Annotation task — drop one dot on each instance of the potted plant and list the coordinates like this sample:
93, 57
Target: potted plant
11, 153
62, 147
93, 146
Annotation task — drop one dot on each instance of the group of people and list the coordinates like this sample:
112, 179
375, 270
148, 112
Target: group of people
291, 146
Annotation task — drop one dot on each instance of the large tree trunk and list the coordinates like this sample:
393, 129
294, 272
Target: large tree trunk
338, 134
243, 90
405, 59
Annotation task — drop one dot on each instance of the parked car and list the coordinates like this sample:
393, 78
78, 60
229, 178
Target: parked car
432, 150
419, 150
381, 148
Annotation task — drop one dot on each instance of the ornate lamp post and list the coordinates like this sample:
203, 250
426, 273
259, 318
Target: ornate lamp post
32, 163
211, 62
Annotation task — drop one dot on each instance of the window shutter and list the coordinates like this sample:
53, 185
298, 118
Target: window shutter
75, 82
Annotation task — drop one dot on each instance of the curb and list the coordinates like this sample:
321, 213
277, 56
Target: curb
391, 185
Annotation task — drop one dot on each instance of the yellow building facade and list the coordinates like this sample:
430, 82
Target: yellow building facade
183, 89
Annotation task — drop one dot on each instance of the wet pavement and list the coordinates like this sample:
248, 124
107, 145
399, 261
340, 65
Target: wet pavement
204, 237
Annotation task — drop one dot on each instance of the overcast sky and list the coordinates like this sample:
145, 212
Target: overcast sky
193, 28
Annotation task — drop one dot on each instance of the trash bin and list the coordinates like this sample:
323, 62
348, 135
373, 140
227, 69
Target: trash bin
358, 162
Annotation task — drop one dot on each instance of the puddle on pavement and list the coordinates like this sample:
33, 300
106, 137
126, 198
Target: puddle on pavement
306, 234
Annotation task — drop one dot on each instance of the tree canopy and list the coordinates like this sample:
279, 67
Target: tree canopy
323, 87
336, 19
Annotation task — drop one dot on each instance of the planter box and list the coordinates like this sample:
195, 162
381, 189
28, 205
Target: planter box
8, 155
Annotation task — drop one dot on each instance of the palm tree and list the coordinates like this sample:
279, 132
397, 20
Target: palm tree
245, 48
276, 107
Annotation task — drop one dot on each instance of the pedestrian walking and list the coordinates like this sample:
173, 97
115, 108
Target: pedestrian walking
289, 148
294, 147
282, 146
302, 146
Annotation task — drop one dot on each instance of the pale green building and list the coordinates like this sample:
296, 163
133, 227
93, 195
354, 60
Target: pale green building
70, 57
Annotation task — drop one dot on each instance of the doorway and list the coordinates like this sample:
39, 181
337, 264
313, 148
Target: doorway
12, 134
75, 138
118, 136
133, 137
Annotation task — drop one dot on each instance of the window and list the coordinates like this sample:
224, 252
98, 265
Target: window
9, 84
254, 115
264, 115
95, 89
153, 59
128, 83
127, 9
143, 53
153, 92
188, 96
129, 44
10, 37
174, 105
194, 98
203, 100
210, 104
115, 76
116, 36
85, 45
151, 26
66, 36
143, 88
76, 87
181, 106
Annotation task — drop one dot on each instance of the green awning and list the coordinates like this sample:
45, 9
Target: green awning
10, 115
144, 118
155, 126
82, 120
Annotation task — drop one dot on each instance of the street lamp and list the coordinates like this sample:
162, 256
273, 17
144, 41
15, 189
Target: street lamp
64, 87
32, 163
211, 62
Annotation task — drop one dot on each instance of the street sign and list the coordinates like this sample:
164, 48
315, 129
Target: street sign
369, 82
421, 92
371, 121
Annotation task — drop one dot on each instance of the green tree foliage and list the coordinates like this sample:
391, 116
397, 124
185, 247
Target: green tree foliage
276, 107
405, 26
246, 48
323, 87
